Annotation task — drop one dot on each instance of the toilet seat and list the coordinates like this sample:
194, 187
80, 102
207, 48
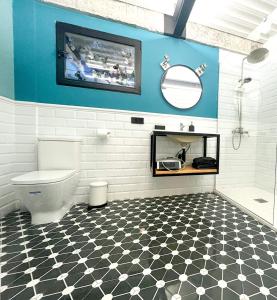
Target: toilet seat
43, 177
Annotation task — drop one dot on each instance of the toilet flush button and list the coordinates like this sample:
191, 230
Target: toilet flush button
35, 193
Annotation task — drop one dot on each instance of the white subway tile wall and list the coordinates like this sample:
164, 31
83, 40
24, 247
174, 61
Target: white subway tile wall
253, 165
7, 155
237, 168
123, 159
267, 124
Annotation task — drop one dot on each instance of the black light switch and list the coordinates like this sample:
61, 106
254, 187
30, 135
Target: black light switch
136, 120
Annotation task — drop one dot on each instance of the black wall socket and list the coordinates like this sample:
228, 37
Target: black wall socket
160, 127
136, 120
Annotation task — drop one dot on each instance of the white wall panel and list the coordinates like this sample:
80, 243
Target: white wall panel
237, 167
7, 155
123, 159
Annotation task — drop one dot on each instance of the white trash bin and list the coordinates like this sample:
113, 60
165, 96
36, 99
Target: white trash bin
98, 196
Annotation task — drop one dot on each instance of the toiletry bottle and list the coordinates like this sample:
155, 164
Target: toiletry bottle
191, 127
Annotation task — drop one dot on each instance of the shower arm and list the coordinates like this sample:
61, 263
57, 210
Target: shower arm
242, 67
240, 129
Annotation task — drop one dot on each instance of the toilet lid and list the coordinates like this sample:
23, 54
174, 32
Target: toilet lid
42, 177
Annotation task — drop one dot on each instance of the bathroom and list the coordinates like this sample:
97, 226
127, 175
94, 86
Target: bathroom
116, 185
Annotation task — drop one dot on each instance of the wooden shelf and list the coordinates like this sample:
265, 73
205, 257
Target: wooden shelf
186, 170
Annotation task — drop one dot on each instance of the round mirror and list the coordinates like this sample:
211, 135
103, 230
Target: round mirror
181, 86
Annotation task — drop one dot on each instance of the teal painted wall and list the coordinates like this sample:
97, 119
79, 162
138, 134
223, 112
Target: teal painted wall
6, 49
35, 63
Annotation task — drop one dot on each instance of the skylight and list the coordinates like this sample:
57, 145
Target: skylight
252, 19
205, 11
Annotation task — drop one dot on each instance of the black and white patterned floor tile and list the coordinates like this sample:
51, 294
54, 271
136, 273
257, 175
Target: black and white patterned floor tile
192, 247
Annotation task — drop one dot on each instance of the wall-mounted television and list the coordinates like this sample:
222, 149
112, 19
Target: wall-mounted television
94, 59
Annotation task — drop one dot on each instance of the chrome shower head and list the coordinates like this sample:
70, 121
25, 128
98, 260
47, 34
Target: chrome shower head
257, 55
254, 57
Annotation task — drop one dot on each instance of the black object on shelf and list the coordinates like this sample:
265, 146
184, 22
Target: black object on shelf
183, 154
204, 163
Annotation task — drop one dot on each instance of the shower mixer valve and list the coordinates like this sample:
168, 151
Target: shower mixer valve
241, 131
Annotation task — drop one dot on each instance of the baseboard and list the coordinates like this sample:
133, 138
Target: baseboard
8, 208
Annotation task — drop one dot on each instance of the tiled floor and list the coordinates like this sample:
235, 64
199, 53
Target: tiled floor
183, 247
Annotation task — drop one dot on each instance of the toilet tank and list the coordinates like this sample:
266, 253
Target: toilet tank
59, 154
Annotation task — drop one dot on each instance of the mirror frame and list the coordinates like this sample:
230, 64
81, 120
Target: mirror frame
163, 78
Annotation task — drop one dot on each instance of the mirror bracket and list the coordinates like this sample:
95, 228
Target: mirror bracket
165, 63
201, 69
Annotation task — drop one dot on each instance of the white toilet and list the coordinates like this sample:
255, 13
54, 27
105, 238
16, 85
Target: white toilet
47, 193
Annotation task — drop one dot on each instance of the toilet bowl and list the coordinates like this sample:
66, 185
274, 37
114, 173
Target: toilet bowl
48, 193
